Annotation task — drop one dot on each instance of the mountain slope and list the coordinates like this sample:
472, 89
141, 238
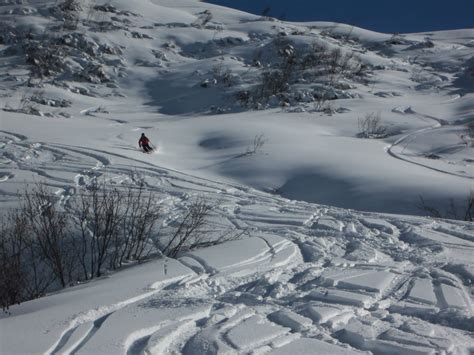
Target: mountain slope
255, 116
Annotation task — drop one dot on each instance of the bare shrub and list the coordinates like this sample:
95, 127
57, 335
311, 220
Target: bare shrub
245, 97
12, 278
326, 107
452, 210
277, 79
344, 65
98, 218
314, 58
24, 272
272, 82
467, 136
189, 232
140, 218
39, 276
49, 227
470, 129
223, 76
321, 61
257, 144
194, 229
43, 247
333, 60
115, 225
371, 127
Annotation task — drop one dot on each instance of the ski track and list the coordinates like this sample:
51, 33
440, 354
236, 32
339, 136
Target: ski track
293, 284
439, 123
97, 317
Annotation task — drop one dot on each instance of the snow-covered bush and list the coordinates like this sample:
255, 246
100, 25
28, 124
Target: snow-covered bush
80, 42
39, 98
207, 83
27, 106
140, 35
110, 49
106, 8
67, 12
285, 68
27, 110
53, 56
345, 38
203, 18
427, 43
45, 57
70, 6
103, 26
94, 73
7, 35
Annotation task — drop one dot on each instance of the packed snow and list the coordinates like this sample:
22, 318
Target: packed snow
337, 256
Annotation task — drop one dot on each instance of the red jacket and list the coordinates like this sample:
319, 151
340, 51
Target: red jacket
143, 141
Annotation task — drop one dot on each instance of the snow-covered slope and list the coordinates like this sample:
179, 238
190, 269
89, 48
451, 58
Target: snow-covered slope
145, 62
309, 278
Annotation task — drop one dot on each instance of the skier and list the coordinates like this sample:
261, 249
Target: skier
144, 143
